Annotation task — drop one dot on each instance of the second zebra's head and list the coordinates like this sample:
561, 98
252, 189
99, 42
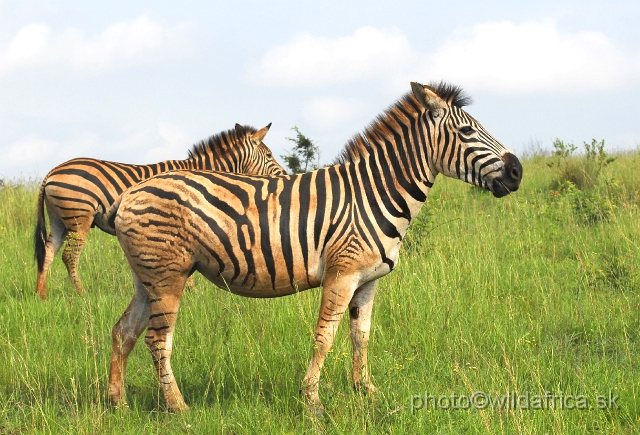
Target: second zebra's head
463, 149
259, 160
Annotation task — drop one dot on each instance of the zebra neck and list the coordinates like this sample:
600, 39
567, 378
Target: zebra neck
392, 198
203, 162
401, 170
146, 171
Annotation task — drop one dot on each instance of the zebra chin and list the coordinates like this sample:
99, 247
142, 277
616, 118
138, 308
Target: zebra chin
509, 178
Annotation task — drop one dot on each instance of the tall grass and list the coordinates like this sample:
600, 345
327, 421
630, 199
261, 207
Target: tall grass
519, 296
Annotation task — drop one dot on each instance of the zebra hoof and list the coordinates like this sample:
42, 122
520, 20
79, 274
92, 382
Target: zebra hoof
178, 409
320, 413
366, 388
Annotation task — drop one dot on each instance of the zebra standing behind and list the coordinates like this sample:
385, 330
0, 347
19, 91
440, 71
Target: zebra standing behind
77, 193
340, 227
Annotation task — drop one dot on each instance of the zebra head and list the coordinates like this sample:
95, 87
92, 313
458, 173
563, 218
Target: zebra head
461, 147
259, 159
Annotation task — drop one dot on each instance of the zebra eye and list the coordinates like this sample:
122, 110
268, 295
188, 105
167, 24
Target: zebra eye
466, 130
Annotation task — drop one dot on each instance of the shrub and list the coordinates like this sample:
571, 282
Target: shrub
614, 269
580, 171
590, 207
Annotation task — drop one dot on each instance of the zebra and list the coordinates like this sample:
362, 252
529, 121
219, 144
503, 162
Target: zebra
78, 192
339, 227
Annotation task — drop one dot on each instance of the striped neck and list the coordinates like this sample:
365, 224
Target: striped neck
397, 152
225, 151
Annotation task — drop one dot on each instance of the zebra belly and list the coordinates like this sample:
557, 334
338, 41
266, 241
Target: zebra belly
251, 276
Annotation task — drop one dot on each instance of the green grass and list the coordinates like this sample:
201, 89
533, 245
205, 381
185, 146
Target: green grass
525, 295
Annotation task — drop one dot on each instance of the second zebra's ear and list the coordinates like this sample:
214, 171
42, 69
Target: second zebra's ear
427, 98
240, 130
259, 135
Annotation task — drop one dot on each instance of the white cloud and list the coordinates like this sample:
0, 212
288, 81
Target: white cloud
495, 56
327, 112
28, 44
41, 155
313, 60
125, 43
531, 57
175, 144
28, 150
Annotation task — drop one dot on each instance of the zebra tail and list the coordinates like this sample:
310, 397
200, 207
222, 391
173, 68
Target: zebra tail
40, 234
110, 215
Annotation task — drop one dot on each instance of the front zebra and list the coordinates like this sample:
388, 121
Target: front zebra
340, 227
79, 191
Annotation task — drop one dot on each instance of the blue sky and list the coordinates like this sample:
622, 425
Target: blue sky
140, 82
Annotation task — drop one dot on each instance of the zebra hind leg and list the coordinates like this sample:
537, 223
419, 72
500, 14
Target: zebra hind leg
52, 246
360, 325
125, 334
71, 256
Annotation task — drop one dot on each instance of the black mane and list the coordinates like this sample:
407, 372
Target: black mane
454, 95
359, 145
218, 142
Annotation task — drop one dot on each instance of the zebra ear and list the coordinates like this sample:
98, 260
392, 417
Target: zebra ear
240, 130
427, 97
260, 134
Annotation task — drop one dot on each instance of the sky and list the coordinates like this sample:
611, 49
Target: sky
140, 82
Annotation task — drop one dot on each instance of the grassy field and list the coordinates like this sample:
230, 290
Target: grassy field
534, 297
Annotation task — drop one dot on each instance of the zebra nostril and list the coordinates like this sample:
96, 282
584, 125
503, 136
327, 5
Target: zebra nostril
513, 167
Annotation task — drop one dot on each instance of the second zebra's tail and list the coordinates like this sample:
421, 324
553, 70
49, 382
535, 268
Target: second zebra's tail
110, 215
40, 233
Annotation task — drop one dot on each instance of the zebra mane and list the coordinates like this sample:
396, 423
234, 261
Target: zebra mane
218, 143
454, 95
360, 145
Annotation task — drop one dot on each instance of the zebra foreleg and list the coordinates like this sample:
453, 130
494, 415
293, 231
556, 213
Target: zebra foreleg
336, 293
125, 334
360, 323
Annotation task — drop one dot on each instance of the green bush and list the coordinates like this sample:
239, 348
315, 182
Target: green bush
589, 207
581, 171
